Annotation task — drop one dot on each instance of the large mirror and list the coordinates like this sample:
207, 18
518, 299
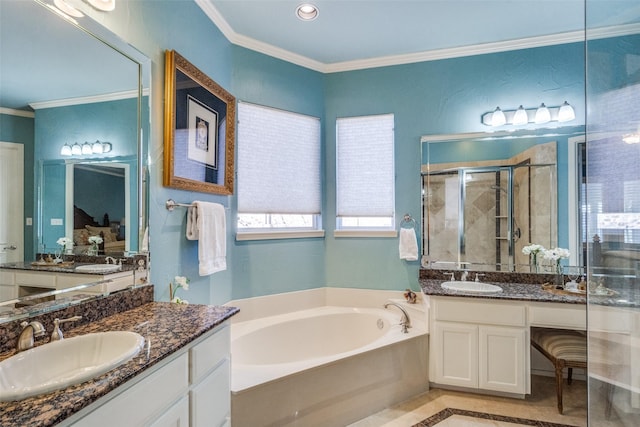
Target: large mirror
488, 195
74, 115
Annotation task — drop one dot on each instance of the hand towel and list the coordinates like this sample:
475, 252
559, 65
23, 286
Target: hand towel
408, 245
206, 223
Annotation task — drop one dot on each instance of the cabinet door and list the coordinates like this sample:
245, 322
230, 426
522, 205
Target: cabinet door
211, 399
176, 416
454, 350
502, 358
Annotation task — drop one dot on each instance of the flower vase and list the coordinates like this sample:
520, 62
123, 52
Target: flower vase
559, 277
58, 256
93, 251
533, 265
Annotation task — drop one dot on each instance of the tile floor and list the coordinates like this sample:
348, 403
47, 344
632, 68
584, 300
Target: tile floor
539, 405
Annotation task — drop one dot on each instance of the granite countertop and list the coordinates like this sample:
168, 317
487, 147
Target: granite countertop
510, 291
53, 268
623, 298
166, 326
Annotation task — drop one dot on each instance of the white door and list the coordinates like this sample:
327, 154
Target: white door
502, 359
11, 202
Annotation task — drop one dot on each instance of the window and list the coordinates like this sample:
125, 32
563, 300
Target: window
365, 174
279, 188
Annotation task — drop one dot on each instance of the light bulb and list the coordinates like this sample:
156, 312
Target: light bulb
498, 118
86, 148
566, 113
542, 114
520, 117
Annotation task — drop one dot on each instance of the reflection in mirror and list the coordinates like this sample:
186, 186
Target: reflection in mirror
71, 87
486, 196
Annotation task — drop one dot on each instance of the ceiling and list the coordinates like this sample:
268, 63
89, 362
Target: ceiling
353, 34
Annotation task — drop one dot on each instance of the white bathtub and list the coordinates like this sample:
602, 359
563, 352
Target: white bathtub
325, 365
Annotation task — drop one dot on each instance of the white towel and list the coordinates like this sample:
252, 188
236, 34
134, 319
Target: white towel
408, 244
206, 223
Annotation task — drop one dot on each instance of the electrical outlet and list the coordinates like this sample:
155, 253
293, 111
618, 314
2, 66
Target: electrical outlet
56, 221
29, 221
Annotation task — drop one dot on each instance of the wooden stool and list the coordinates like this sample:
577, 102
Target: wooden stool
565, 349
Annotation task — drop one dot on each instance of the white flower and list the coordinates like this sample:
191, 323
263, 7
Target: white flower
182, 282
533, 249
95, 240
64, 241
556, 254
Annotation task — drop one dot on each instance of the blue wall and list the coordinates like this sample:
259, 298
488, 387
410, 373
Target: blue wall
445, 96
19, 130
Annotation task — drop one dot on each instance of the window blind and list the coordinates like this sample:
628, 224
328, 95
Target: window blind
278, 161
365, 166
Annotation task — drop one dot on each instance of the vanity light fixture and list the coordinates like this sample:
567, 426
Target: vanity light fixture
523, 116
85, 149
307, 12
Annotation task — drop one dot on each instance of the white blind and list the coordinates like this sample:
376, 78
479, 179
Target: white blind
365, 166
278, 161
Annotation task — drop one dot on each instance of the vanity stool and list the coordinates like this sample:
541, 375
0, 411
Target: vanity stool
565, 349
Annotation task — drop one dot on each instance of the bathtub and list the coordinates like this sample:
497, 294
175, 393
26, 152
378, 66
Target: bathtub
328, 364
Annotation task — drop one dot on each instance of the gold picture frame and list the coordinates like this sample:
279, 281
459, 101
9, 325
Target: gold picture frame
199, 130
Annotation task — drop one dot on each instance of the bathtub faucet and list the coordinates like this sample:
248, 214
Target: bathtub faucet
405, 321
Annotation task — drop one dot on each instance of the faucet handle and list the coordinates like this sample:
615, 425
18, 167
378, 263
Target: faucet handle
57, 334
453, 276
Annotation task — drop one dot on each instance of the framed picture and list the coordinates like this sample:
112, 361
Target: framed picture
199, 130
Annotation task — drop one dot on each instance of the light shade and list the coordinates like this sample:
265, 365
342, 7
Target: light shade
104, 5
520, 117
65, 150
543, 115
76, 149
106, 147
498, 118
86, 149
566, 113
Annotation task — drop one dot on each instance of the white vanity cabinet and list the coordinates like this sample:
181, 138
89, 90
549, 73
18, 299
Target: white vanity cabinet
27, 282
191, 389
479, 345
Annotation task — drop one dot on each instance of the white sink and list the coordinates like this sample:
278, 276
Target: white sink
97, 268
60, 364
468, 286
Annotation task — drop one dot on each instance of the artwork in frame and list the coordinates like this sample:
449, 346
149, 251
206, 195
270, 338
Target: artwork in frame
199, 130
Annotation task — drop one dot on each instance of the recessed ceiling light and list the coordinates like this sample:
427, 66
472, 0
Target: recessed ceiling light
307, 12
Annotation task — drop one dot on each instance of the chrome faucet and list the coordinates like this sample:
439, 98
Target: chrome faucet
30, 331
110, 260
405, 321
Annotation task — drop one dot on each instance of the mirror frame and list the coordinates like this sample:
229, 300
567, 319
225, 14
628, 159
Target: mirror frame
573, 134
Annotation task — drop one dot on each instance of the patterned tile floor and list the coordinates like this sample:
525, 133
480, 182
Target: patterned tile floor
539, 405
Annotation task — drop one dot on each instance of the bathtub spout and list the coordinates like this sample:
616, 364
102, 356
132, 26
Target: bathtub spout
405, 321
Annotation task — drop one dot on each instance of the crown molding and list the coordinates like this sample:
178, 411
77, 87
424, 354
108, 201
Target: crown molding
14, 112
86, 99
525, 43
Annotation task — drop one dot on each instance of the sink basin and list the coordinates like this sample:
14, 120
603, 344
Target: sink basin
474, 287
97, 268
60, 364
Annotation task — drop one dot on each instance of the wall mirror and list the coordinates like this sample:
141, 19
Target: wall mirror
487, 195
65, 82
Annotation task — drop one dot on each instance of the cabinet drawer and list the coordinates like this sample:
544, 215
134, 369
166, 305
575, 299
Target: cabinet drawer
485, 312
553, 315
137, 405
43, 280
209, 353
7, 278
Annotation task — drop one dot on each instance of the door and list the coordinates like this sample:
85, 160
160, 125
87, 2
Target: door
11, 202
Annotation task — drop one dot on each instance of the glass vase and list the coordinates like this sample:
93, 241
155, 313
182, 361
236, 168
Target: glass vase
533, 263
559, 277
